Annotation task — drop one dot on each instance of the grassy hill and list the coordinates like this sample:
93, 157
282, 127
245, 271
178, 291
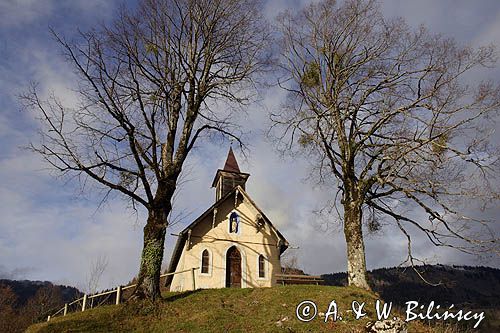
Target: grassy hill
273, 309
226, 310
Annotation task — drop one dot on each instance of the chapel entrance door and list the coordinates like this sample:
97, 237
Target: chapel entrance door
233, 268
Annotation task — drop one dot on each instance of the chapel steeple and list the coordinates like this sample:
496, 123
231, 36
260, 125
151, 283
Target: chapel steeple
228, 178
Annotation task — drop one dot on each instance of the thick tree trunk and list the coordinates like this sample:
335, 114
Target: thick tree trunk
148, 284
356, 262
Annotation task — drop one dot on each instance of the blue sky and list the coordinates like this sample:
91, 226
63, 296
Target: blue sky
49, 230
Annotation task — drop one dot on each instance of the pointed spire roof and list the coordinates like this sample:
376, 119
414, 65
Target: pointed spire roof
231, 167
231, 164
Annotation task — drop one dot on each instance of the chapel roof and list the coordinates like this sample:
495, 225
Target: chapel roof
231, 166
231, 163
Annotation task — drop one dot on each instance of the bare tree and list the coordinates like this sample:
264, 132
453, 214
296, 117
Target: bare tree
46, 300
97, 268
151, 85
391, 125
290, 264
9, 317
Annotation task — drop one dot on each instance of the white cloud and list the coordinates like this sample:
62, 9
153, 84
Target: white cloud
20, 13
44, 227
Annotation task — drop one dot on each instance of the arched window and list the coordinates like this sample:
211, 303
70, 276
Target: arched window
234, 221
262, 266
205, 261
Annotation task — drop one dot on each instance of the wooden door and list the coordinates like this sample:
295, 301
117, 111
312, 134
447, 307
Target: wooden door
233, 268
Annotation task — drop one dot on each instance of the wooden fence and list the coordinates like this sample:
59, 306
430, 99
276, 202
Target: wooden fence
285, 279
83, 302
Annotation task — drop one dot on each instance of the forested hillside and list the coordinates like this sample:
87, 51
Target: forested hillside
464, 286
25, 302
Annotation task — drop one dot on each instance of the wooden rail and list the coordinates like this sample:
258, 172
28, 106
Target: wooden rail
298, 279
118, 292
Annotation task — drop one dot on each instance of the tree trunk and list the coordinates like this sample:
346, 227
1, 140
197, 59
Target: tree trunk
356, 262
148, 284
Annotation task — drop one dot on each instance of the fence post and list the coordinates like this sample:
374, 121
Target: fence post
48, 318
192, 275
84, 302
118, 294
65, 308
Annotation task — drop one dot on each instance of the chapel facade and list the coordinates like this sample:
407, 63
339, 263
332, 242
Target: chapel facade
232, 244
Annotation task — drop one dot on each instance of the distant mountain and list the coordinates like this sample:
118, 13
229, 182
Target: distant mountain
26, 289
23, 303
464, 286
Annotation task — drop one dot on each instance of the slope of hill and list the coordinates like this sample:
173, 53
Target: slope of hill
225, 310
273, 309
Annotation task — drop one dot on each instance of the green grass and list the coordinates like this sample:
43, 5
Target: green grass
224, 310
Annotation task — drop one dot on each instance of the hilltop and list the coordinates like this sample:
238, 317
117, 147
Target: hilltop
225, 310
264, 309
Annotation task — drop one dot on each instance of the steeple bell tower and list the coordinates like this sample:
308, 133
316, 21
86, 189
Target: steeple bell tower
229, 177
